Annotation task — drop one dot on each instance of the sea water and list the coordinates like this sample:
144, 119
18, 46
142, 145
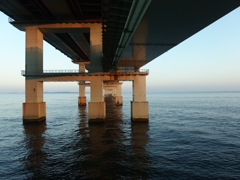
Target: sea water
189, 136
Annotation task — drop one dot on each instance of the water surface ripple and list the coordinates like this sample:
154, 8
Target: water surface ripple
189, 136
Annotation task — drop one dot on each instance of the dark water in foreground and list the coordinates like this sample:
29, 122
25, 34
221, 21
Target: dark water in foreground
189, 136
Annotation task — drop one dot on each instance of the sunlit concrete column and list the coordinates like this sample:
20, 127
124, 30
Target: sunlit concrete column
96, 48
139, 105
118, 97
97, 105
82, 98
114, 91
34, 109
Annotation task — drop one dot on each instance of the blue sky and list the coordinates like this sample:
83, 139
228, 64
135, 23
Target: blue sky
207, 61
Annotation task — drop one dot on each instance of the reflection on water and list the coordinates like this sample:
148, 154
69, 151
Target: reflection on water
139, 141
111, 150
189, 136
34, 142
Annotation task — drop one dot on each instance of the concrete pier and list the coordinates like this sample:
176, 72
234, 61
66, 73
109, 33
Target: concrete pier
118, 97
139, 105
114, 88
98, 81
34, 109
97, 105
82, 100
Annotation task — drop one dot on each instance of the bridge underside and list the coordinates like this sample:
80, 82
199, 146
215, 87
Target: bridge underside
134, 32
105, 36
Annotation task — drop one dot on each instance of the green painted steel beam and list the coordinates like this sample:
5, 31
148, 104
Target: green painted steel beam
138, 9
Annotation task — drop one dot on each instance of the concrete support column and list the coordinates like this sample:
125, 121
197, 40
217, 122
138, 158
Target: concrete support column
34, 109
81, 67
82, 98
114, 93
96, 48
97, 105
139, 105
118, 98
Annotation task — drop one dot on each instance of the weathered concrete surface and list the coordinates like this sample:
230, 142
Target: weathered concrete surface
118, 100
34, 112
96, 111
82, 101
139, 111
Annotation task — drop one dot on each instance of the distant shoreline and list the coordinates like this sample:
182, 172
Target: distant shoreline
68, 92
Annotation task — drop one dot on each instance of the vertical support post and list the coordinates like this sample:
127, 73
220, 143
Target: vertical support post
114, 93
97, 105
34, 109
139, 105
96, 48
82, 98
118, 98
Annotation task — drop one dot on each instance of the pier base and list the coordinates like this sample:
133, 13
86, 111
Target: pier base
82, 100
96, 111
118, 100
139, 111
34, 112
